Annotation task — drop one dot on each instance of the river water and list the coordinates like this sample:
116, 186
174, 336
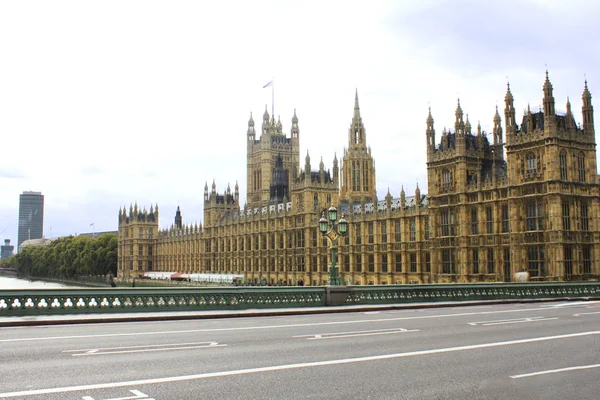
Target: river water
9, 282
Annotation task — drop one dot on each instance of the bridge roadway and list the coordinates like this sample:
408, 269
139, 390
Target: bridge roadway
506, 351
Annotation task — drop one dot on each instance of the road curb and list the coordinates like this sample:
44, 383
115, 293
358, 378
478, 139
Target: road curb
169, 316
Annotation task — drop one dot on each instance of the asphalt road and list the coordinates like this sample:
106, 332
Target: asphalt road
516, 351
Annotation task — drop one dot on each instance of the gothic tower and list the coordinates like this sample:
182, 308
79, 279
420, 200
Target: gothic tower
358, 166
138, 233
262, 156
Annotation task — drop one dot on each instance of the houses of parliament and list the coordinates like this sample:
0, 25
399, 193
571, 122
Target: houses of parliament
524, 198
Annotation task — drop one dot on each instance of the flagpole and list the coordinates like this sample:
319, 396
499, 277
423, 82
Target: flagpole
273, 98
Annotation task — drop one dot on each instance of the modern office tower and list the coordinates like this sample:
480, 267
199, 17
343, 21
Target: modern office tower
6, 250
31, 217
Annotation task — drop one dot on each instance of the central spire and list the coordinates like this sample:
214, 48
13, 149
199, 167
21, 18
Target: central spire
356, 107
356, 134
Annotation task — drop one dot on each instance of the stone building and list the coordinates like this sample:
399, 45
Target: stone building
525, 199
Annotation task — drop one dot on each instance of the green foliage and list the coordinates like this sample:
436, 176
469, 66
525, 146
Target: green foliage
67, 257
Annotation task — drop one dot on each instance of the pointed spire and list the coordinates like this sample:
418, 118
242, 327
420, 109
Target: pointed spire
251, 121
356, 107
266, 115
468, 125
402, 198
429, 118
321, 165
479, 132
418, 194
294, 118
548, 98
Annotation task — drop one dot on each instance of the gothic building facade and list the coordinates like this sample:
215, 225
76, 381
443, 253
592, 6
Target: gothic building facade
525, 198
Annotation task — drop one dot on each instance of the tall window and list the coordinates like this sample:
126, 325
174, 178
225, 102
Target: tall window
446, 179
371, 263
427, 262
534, 217
505, 224
448, 261
397, 232
566, 216
474, 221
531, 163
413, 262
447, 223
507, 263
475, 261
563, 166
384, 232
357, 237
587, 260
581, 167
584, 217
489, 223
427, 228
413, 230
398, 263
568, 255
358, 263
370, 231
490, 261
535, 260
384, 263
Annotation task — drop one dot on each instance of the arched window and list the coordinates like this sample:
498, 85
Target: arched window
564, 176
581, 167
531, 163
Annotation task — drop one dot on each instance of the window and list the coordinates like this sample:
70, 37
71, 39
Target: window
357, 238
140, 251
301, 267
446, 179
475, 261
428, 262
384, 263
474, 222
300, 238
505, 224
490, 261
370, 232
566, 216
427, 228
397, 232
563, 166
581, 167
358, 263
534, 216
488, 220
447, 223
587, 263
371, 263
398, 263
448, 261
314, 238
535, 261
568, 255
413, 262
413, 232
584, 217
531, 164
346, 262
150, 233
141, 233
507, 264
384, 232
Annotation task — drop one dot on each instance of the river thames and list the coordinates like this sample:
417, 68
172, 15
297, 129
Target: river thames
9, 282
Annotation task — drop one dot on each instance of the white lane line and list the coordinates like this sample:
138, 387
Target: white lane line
511, 321
570, 304
586, 313
137, 393
354, 333
98, 353
554, 371
249, 328
371, 312
181, 378
139, 347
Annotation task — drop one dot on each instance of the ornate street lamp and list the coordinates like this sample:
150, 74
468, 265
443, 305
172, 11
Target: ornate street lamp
332, 230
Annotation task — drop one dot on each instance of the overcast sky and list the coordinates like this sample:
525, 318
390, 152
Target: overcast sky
106, 103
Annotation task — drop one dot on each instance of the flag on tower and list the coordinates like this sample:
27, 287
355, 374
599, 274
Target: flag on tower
268, 84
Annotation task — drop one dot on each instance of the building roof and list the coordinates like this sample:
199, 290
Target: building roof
36, 242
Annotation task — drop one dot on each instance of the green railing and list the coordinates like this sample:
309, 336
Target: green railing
470, 292
120, 300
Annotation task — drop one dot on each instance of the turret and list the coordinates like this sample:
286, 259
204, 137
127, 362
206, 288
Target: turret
336, 170
295, 131
548, 100
458, 123
570, 120
587, 111
178, 219
509, 112
307, 167
418, 196
205, 192
497, 132
266, 123
430, 133
214, 188
402, 198
356, 134
251, 131
237, 192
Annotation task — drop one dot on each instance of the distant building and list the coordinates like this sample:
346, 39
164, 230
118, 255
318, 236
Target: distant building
6, 250
97, 234
31, 217
36, 242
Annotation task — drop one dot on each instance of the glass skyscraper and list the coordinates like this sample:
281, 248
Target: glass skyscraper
31, 217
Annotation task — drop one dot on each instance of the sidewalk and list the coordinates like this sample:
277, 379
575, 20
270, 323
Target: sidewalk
34, 320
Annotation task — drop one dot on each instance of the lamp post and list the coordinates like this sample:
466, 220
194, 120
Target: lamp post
332, 230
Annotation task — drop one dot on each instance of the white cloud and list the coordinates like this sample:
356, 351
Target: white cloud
109, 103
